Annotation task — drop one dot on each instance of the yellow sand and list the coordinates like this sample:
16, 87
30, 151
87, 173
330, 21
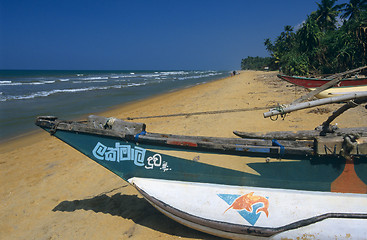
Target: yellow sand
51, 191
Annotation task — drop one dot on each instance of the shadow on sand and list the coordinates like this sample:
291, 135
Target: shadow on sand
134, 208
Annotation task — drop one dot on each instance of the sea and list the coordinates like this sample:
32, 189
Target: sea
26, 94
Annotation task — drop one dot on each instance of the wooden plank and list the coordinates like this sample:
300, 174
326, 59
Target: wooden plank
281, 135
301, 135
187, 142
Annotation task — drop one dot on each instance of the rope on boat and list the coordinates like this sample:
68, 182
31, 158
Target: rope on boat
280, 109
201, 113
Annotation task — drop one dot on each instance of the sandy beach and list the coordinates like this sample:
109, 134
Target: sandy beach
51, 191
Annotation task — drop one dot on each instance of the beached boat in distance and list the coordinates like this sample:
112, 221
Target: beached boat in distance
317, 82
345, 86
238, 188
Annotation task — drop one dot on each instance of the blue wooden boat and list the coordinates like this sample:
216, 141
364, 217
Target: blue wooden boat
240, 188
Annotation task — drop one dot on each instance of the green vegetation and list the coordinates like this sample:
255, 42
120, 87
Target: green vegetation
256, 63
322, 44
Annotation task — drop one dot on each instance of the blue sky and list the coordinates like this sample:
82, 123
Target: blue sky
137, 34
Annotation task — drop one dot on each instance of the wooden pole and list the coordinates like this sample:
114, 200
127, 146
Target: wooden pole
299, 106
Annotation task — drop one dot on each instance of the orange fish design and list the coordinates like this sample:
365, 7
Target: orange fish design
247, 201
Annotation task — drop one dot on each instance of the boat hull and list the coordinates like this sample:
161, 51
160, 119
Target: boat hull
291, 214
237, 194
314, 82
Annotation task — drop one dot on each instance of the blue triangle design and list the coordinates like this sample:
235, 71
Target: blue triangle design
251, 217
229, 198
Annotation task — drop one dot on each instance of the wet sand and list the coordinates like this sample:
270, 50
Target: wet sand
51, 191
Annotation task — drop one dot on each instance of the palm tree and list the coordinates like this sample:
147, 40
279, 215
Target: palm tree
326, 14
308, 35
353, 9
268, 45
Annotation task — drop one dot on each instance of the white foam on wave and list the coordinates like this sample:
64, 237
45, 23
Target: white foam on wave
91, 81
123, 76
150, 75
5, 82
93, 78
199, 76
74, 90
39, 83
175, 73
9, 83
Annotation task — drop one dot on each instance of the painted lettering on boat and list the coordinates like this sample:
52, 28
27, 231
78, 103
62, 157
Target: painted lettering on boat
136, 154
156, 161
249, 206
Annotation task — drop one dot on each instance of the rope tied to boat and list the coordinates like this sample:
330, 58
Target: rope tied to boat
349, 144
276, 143
280, 109
110, 122
200, 113
353, 103
54, 128
137, 135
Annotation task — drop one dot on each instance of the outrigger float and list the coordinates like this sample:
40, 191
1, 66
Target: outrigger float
279, 185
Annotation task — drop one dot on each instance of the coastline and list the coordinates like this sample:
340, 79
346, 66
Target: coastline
51, 191
71, 94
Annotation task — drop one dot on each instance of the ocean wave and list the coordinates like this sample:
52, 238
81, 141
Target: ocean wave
91, 81
122, 76
10, 83
64, 79
38, 83
74, 90
199, 76
164, 74
93, 78
175, 73
5, 82
150, 75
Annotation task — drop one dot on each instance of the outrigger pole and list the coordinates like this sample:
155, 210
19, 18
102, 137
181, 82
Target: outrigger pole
360, 97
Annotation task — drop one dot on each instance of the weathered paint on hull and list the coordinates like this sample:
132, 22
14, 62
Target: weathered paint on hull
308, 180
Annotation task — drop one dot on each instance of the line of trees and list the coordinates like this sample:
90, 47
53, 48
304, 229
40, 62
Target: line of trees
257, 63
331, 39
